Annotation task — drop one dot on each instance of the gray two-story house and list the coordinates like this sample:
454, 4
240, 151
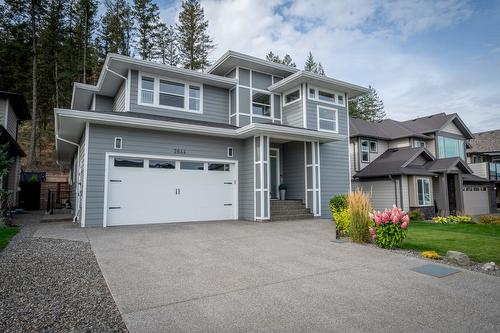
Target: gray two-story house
13, 110
151, 143
418, 164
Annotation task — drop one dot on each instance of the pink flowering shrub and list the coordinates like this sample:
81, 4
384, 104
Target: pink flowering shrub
388, 228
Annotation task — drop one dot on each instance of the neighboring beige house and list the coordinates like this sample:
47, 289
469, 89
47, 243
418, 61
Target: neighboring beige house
418, 164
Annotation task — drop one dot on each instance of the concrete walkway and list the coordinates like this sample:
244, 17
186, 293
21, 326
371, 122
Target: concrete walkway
280, 277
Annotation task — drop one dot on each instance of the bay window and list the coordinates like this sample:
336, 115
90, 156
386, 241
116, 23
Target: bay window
423, 192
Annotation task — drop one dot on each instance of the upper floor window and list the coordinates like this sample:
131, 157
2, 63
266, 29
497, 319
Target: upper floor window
261, 103
419, 143
325, 96
170, 94
365, 151
450, 147
292, 97
373, 146
147, 90
327, 119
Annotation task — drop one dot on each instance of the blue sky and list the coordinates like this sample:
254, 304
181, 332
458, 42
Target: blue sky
422, 56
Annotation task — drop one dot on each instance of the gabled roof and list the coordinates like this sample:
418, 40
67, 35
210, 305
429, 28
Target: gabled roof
14, 148
389, 129
386, 129
485, 142
19, 103
436, 122
320, 81
447, 164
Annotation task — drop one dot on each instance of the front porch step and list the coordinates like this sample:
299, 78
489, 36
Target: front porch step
289, 210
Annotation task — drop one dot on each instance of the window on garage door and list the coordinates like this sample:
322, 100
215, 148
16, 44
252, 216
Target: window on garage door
162, 164
129, 162
185, 165
218, 167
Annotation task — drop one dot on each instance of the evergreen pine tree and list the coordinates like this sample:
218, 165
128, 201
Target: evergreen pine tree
194, 42
166, 48
287, 60
367, 107
320, 70
147, 18
273, 57
116, 28
85, 27
310, 64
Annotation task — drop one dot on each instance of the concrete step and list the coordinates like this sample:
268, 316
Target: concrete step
57, 218
299, 211
292, 217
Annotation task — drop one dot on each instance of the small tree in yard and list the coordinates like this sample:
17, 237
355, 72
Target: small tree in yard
359, 212
5, 163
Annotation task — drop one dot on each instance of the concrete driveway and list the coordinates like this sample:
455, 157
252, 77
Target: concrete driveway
282, 277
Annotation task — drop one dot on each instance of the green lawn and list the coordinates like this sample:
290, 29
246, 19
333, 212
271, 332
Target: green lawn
6, 233
479, 241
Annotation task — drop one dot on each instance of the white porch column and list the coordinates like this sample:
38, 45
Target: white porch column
312, 177
261, 177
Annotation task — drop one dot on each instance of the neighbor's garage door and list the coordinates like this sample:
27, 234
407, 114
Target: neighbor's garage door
143, 191
476, 200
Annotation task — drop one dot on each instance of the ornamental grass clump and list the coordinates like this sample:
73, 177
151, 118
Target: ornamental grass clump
388, 228
359, 210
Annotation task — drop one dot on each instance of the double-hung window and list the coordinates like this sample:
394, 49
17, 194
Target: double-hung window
365, 151
327, 119
261, 103
172, 94
147, 90
194, 98
423, 192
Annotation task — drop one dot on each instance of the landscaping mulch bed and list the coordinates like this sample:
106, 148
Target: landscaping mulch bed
51, 285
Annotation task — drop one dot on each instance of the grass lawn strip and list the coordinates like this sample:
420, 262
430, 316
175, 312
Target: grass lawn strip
480, 242
6, 234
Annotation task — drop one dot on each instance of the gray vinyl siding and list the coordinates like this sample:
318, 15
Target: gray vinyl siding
293, 115
138, 141
119, 100
103, 103
246, 181
3, 110
261, 81
334, 165
294, 169
244, 76
312, 114
277, 109
215, 104
381, 192
244, 120
244, 100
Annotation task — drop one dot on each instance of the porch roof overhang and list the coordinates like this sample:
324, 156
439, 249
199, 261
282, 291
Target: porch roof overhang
115, 70
70, 124
321, 81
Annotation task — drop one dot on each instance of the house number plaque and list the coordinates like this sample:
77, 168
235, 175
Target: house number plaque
179, 151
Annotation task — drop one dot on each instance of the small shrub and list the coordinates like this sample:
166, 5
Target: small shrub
416, 215
389, 228
430, 255
452, 219
359, 210
489, 219
340, 213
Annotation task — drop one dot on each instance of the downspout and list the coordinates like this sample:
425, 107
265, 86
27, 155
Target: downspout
395, 189
77, 167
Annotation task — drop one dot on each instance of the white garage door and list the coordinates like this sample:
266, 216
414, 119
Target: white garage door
143, 191
476, 201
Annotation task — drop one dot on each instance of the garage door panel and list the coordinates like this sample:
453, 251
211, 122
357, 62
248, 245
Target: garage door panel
161, 195
476, 202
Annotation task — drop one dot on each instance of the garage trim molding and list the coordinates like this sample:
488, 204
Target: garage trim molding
174, 157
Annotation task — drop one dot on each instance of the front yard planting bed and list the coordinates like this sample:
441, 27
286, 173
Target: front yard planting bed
480, 242
6, 233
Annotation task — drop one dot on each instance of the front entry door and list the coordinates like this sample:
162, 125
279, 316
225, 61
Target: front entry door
452, 197
274, 157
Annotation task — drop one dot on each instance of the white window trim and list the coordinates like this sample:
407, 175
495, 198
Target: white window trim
156, 93
370, 146
121, 142
423, 194
316, 96
270, 103
230, 149
336, 119
288, 93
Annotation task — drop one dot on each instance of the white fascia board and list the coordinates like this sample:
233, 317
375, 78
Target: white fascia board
237, 133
